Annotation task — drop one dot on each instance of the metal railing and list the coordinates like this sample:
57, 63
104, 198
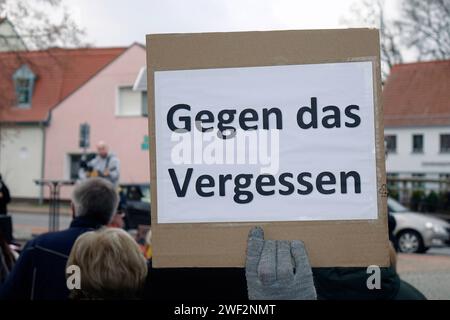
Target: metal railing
421, 194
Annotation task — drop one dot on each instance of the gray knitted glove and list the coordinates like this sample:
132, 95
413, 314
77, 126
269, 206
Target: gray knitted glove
277, 269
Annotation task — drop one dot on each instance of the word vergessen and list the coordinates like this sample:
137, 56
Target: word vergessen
227, 121
266, 184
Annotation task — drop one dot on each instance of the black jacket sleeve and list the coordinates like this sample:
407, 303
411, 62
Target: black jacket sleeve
19, 283
6, 195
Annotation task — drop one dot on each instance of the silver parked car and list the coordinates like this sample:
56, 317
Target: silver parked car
416, 232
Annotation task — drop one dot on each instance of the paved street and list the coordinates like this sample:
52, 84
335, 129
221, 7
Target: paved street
439, 251
430, 273
28, 224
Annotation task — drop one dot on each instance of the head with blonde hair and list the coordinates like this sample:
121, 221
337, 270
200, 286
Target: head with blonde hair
111, 265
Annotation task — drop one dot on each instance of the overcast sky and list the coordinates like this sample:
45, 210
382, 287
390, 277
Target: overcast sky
120, 22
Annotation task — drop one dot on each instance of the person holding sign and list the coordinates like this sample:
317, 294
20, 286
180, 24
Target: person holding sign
292, 141
277, 270
280, 270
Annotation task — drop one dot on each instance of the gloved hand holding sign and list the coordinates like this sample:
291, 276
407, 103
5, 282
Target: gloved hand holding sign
277, 269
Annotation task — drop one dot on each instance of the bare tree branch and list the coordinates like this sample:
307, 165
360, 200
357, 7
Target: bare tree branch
40, 24
426, 27
38, 28
423, 27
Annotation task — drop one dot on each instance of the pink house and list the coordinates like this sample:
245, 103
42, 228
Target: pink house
116, 114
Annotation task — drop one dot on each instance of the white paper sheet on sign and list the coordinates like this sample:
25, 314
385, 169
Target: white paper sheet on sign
313, 150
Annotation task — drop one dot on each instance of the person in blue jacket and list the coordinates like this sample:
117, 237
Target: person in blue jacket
40, 271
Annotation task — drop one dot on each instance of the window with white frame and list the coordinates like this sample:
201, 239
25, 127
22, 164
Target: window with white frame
24, 80
144, 104
131, 103
445, 143
417, 143
391, 143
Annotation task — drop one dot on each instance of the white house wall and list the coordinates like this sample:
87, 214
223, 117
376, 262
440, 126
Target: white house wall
10, 40
21, 159
431, 162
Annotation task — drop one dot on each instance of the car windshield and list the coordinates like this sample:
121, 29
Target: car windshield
137, 193
395, 206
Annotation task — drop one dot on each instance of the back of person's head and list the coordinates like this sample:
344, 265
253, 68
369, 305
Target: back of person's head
111, 265
95, 198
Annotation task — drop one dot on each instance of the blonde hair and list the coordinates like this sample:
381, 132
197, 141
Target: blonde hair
111, 265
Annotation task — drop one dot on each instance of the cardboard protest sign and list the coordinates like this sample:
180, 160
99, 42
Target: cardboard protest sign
281, 129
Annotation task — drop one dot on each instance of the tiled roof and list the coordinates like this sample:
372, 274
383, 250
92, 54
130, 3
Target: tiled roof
59, 73
418, 94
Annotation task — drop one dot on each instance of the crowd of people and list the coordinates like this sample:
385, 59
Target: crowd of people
113, 266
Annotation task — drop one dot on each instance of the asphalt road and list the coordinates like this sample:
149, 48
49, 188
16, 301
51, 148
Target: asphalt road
439, 251
430, 272
25, 225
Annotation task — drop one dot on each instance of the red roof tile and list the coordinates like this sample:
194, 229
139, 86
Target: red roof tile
418, 94
59, 73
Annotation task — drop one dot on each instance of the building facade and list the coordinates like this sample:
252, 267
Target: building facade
416, 101
115, 113
31, 84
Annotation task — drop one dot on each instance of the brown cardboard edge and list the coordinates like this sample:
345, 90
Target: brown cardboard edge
381, 222
152, 138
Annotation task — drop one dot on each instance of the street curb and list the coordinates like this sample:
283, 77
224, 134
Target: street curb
42, 211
